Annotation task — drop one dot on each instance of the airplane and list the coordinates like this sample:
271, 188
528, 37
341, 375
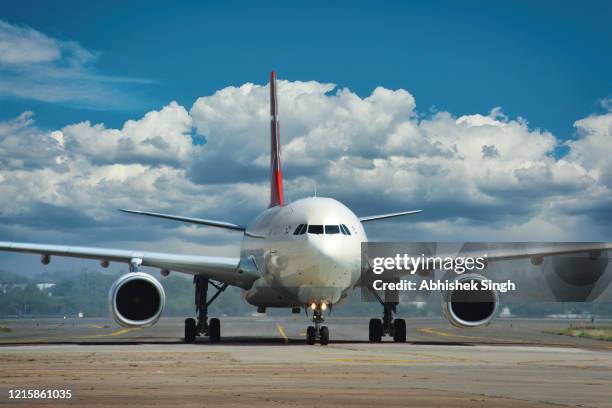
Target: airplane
299, 255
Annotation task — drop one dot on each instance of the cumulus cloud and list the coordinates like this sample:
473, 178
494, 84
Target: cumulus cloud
160, 137
36, 66
478, 177
377, 154
593, 148
25, 147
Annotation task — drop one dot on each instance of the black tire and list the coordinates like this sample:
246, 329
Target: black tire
399, 330
214, 330
190, 330
311, 335
324, 336
376, 330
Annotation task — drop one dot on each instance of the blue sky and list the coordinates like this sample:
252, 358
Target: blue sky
546, 61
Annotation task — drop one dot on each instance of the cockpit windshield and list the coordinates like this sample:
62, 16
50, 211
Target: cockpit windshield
322, 229
300, 230
315, 229
332, 229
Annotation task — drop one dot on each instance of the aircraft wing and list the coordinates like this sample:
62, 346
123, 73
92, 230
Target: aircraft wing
200, 221
222, 269
505, 252
389, 215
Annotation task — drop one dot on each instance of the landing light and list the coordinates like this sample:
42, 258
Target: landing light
323, 306
313, 306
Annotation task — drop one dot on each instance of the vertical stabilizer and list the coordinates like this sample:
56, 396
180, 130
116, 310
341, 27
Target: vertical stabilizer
276, 175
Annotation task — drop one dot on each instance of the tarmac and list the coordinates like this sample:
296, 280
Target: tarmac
264, 361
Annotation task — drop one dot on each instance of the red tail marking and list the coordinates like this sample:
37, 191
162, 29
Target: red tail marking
276, 175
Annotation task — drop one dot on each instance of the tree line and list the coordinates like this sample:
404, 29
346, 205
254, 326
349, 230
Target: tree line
87, 292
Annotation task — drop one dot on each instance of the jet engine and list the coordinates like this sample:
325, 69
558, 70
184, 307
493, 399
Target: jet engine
472, 307
136, 300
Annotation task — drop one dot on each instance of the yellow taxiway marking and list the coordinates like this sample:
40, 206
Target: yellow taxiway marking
94, 336
122, 331
430, 330
281, 330
115, 333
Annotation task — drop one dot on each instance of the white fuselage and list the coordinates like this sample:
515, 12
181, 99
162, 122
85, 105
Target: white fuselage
299, 269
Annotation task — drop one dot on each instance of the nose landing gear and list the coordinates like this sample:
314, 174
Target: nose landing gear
317, 332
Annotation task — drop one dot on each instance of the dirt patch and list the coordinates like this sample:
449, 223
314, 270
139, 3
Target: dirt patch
202, 379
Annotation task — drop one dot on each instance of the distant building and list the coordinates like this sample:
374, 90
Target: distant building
45, 285
9, 286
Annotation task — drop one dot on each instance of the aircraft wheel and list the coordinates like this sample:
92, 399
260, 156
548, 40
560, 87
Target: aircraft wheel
324, 335
311, 335
190, 330
214, 330
399, 330
376, 330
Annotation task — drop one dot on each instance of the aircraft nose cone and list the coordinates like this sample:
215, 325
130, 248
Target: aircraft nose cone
336, 258
324, 249
337, 250
334, 264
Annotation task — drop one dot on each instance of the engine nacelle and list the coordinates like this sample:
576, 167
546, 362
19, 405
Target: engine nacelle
470, 308
136, 300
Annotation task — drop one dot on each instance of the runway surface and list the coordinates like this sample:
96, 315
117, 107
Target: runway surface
263, 361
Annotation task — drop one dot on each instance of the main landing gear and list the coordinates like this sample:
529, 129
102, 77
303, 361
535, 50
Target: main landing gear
204, 326
388, 326
317, 332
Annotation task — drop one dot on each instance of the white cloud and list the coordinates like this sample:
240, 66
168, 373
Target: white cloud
593, 148
478, 177
36, 66
160, 137
23, 146
338, 138
23, 45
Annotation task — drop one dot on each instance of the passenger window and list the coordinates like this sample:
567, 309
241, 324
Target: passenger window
315, 229
345, 229
332, 229
300, 229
